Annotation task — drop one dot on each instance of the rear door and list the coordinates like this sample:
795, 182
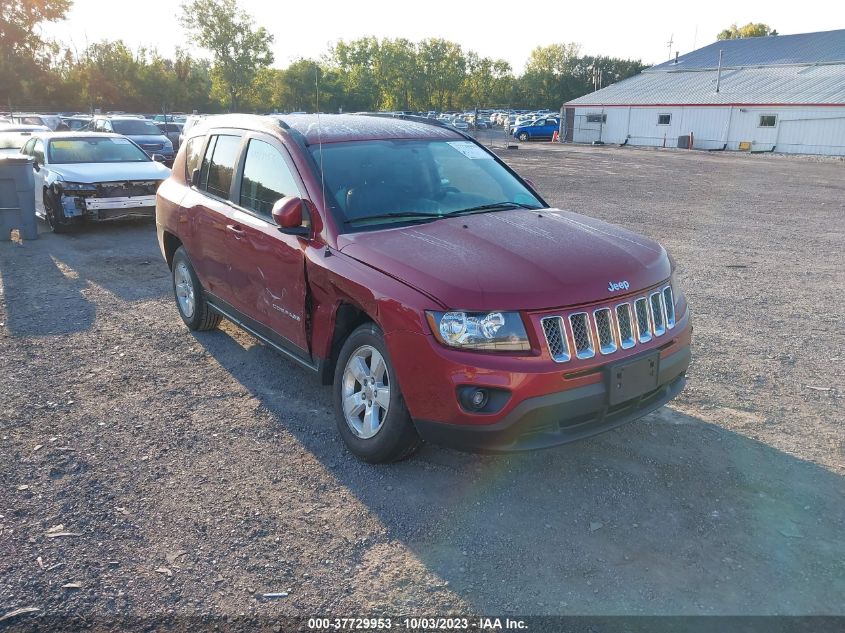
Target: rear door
209, 210
268, 267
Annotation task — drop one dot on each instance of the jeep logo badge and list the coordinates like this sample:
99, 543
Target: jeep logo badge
613, 286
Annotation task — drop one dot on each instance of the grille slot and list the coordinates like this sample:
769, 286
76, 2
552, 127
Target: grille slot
669, 304
626, 326
581, 335
643, 329
607, 329
658, 318
604, 330
556, 338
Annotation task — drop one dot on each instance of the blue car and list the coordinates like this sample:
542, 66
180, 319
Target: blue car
144, 132
537, 129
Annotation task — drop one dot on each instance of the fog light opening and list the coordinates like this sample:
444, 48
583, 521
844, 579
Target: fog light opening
475, 399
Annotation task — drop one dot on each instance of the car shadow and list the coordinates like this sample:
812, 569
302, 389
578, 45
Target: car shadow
45, 280
41, 296
667, 515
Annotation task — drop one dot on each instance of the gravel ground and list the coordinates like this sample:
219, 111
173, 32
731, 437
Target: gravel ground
153, 471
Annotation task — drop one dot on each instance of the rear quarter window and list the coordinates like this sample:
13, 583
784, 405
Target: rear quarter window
193, 155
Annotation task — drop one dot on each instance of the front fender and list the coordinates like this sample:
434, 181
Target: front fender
338, 279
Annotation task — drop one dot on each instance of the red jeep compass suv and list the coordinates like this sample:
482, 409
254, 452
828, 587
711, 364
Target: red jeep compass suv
429, 284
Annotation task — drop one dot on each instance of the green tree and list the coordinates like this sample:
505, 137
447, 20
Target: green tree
239, 49
355, 61
24, 54
548, 79
442, 67
751, 29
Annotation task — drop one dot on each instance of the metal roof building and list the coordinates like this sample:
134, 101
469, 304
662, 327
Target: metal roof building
783, 93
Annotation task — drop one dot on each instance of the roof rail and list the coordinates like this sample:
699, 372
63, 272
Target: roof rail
405, 117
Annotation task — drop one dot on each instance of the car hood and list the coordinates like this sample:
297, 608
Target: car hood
513, 260
147, 139
108, 172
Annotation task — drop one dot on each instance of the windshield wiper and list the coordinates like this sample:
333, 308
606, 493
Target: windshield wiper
410, 215
495, 206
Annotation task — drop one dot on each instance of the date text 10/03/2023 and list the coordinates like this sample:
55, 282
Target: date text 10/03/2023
417, 624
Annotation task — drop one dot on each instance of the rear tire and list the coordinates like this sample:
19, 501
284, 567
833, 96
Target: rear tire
369, 408
190, 299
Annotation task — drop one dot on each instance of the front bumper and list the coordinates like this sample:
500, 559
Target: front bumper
544, 403
562, 417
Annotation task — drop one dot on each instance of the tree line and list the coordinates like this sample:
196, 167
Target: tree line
357, 75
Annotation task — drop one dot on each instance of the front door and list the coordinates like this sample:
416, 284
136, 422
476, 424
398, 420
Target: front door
268, 267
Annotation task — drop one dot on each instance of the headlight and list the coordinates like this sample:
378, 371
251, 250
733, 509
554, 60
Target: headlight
496, 331
77, 186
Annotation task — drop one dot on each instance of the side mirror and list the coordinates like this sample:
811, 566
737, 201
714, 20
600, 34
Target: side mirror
158, 158
195, 178
287, 213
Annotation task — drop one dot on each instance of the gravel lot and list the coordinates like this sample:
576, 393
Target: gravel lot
194, 473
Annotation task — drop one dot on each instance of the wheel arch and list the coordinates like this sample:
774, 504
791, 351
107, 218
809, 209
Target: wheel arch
348, 317
170, 243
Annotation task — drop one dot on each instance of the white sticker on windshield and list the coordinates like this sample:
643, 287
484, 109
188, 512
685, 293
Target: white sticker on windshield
470, 150
121, 141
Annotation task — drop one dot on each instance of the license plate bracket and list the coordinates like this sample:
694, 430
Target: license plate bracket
632, 378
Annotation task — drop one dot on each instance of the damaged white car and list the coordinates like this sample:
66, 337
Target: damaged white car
92, 177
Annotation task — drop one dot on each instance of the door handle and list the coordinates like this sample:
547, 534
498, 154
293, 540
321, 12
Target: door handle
236, 229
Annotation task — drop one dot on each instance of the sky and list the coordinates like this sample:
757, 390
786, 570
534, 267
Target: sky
510, 30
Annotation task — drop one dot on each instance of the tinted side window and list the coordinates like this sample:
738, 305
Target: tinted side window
266, 179
222, 167
193, 155
206, 162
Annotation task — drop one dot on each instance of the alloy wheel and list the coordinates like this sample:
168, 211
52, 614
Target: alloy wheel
184, 289
366, 392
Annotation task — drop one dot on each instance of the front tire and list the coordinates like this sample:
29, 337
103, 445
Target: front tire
369, 408
523, 136
51, 212
190, 300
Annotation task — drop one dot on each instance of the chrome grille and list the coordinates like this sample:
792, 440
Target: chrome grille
626, 327
643, 327
604, 330
607, 329
657, 316
556, 338
581, 335
669, 304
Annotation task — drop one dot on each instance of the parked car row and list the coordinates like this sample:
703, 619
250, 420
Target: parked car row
85, 176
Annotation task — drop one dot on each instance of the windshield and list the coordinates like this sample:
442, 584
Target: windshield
137, 127
95, 150
365, 179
